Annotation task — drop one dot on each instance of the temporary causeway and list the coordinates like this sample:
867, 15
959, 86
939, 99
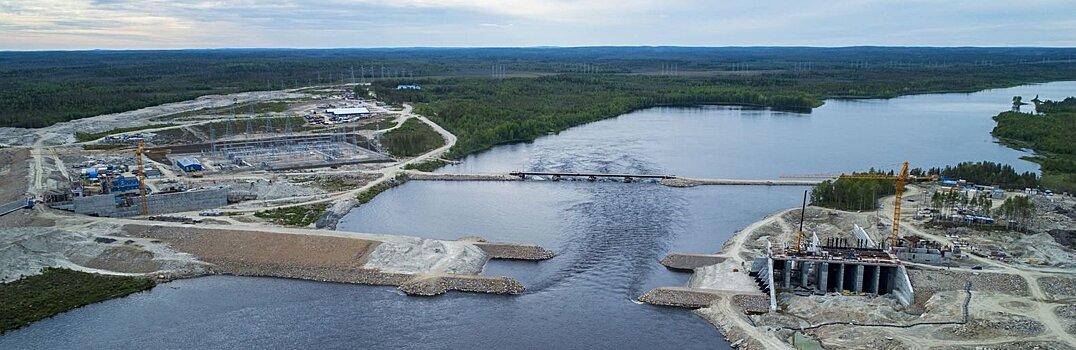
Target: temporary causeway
341, 257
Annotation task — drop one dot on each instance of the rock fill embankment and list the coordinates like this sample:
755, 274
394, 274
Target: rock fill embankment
435, 285
515, 251
417, 266
690, 262
680, 297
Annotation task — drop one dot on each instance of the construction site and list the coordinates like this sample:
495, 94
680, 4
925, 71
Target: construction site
811, 278
287, 152
196, 196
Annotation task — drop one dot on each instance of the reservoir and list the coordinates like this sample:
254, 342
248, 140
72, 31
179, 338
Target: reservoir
609, 236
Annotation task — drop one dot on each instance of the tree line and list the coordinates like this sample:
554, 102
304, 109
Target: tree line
984, 173
43, 88
1050, 135
852, 194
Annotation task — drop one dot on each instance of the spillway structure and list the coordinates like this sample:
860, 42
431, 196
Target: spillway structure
834, 267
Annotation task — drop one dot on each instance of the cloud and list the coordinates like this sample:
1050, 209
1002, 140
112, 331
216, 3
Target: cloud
87, 24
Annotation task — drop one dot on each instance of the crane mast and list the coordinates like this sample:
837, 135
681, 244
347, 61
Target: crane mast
142, 179
900, 178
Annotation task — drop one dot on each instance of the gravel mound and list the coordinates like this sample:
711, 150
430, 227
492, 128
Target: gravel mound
992, 325
419, 255
515, 251
1058, 287
1066, 311
429, 286
939, 280
680, 297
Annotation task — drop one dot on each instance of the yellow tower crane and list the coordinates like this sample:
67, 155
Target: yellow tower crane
142, 177
900, 178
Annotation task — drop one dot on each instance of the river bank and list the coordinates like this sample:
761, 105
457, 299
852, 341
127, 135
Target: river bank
418, 266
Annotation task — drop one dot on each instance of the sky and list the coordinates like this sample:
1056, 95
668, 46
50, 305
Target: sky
176, 24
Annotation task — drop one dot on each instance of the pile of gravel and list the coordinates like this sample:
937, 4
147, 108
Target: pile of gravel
940, 280
680, 297
430, 286
981, 328
753, 304
1067, 311
515, 251
1058, 286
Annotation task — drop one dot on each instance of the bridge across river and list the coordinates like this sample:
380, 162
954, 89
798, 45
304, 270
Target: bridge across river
667, 180
592, 176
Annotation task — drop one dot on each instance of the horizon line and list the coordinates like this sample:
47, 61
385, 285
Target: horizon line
542, 47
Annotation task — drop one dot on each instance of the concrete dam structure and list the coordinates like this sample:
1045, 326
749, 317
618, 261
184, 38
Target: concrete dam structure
827, 269
116, 205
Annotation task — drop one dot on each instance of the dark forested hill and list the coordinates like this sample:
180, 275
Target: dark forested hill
42, 88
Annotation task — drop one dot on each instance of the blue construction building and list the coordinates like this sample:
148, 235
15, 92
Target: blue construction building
124, 184
189, 164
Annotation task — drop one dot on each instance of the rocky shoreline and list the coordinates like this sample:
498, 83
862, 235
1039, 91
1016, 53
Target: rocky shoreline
515, 251
417, 266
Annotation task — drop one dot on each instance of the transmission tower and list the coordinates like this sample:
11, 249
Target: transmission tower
212, 138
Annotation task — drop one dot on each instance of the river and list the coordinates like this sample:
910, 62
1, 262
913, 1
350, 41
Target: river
609, 236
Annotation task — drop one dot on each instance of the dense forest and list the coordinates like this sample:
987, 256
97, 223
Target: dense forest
852, 194
1051, 135
985, 173
42, 88
484, 112
411, 139
1047, 106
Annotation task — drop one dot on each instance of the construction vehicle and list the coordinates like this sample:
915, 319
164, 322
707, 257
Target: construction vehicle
901, 178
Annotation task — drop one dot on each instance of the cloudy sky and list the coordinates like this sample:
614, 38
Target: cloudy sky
154, 24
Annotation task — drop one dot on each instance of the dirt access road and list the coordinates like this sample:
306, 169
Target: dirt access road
385, 173
1055, 328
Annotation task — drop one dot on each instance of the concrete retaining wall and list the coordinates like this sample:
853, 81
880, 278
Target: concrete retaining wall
862, 236
902, 288
105, 205
923, 255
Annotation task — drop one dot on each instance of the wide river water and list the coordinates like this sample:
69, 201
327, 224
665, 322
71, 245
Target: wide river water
609, 236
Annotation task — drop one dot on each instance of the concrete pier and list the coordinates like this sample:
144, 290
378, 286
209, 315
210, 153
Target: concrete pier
857, 281
787, 274
805, 272
823, 277
875, 286
840, 277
